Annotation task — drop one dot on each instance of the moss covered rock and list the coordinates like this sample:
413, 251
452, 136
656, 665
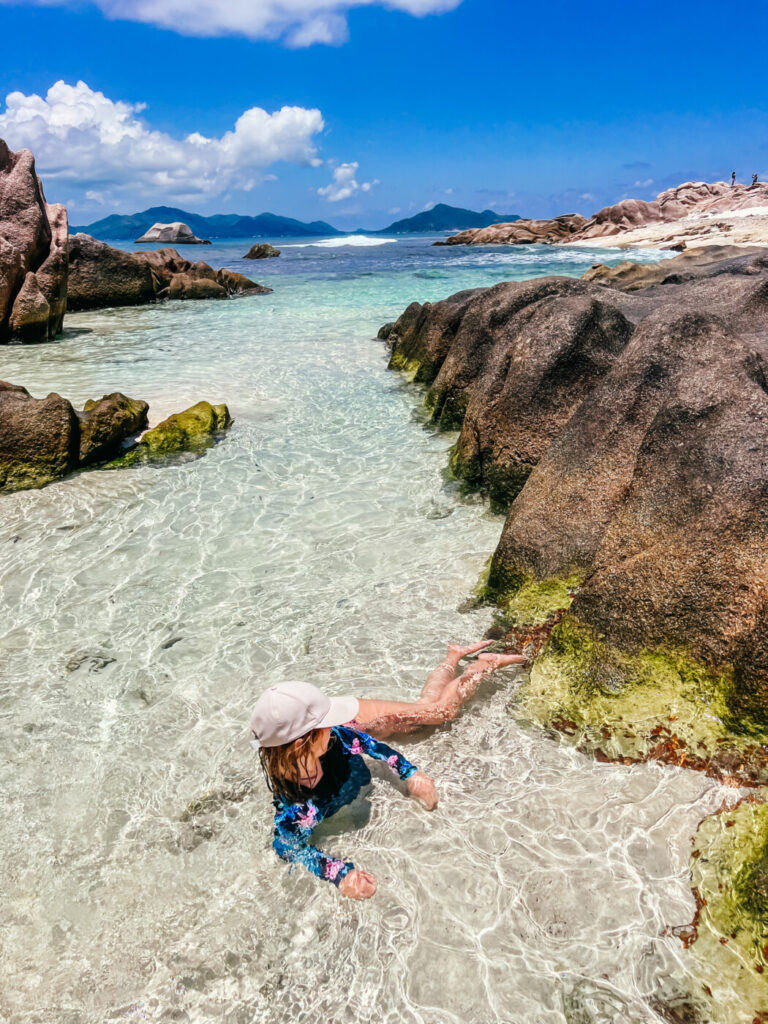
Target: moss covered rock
728, 939
193, 430
648, 704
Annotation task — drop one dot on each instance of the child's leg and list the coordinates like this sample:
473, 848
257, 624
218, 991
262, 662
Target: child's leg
440, 677
384, 718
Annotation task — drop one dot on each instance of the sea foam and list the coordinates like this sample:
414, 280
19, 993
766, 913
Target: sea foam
337, 243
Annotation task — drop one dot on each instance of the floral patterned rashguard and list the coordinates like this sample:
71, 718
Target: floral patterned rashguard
344, 775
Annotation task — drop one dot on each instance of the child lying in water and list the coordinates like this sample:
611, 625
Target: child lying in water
310, 747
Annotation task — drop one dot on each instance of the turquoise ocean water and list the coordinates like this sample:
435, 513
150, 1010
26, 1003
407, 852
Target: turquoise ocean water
142, 612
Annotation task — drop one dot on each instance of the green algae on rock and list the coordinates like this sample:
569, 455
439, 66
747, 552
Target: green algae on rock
648, 704
192, 430
728, 938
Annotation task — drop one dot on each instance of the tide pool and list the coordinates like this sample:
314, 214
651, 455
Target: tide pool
144, 610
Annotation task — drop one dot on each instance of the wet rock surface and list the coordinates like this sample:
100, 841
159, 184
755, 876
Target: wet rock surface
44, 439
192, 431
33, 253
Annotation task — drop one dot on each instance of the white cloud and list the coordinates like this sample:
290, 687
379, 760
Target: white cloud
344, 183
80, 135
299, 22
394, 209
644, 184
448, 191
430, 205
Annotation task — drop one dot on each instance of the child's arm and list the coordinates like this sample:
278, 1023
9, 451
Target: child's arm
293, 828
420, 785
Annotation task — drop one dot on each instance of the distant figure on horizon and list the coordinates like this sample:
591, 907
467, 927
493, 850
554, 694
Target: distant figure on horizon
754, 179
733, 178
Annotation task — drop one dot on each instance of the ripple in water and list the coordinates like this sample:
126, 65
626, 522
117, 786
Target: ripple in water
144, 610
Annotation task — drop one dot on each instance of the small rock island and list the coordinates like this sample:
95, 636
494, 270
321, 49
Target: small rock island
178, 233
261, 251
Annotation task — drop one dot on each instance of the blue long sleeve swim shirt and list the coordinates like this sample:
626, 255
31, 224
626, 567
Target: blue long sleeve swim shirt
344, 775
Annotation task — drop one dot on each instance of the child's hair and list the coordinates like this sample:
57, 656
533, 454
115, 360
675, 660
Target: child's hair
285, 765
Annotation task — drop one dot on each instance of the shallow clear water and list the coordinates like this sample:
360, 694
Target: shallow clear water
142, 613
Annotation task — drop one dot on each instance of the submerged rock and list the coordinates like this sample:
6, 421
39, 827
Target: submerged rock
33, 253
193, 430
176, 232
44, 439
728, 938
261, 251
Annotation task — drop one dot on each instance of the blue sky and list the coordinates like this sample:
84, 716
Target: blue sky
530, 109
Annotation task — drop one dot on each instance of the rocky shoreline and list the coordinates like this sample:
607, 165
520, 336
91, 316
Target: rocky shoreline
621, 422
44, 272
693, 214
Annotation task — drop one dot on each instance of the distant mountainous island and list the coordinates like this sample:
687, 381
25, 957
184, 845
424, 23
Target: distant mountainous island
125, 227
444, 218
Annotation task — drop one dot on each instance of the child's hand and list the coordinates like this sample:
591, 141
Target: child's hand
358, 885
422, 788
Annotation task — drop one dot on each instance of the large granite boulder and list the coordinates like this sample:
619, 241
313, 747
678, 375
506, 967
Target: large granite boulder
261, 251
43, 439
238, 284
101, 276
106, 423
38, 438
641, 421
508, 365
550, 356
33, 253
187, 286
176, 232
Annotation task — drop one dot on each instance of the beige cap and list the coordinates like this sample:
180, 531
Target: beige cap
289, 710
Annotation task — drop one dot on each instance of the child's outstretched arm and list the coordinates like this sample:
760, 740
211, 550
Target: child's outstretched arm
293, 828
420, 786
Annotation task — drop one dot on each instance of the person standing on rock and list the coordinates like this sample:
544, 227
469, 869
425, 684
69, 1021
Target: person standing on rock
733, 178
754, 181
311, 746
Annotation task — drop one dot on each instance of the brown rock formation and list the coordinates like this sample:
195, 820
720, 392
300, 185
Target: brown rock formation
693, 197
261, 251
100, 276
106, 423
33, 253
44, 439
508, 365
643, 421
522, 232
632, 276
